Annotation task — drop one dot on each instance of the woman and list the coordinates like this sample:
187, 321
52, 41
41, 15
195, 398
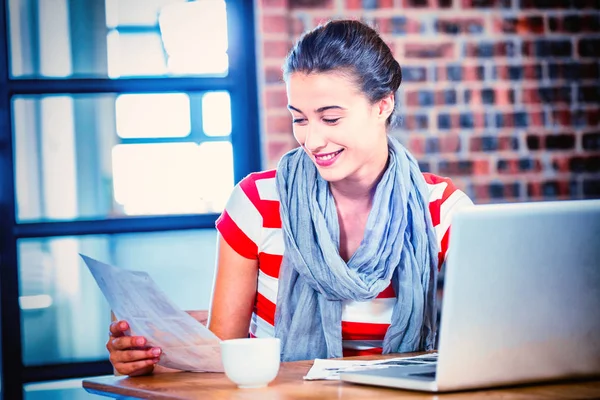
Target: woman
337, 251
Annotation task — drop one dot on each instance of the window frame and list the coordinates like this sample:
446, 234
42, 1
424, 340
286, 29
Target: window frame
240, 82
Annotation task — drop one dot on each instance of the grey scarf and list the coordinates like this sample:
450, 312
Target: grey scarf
399, 246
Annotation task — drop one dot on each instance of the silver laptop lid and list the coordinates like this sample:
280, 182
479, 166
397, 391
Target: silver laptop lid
521, 294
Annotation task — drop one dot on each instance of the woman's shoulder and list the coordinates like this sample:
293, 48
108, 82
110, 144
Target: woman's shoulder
444, 194
260, 185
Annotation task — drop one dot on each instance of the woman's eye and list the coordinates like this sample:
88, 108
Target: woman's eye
299, 120
331, 121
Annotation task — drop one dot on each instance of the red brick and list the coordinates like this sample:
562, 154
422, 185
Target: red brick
273, 75
314, 4
449, 143
519, 25
354, 4
297, 26
561, 117
471, 73
431, 50
412, 122
279, 124
531, 96
416, 3
479, 120
416, 145
440, 98
504, 96
536, 119
265, 4
481, 167
530, 71
505, 143
384, 25
277, 49
275, 24
320, 20
412, 98
276, 149
385, 4
534, 189
276, 98
481, 192
561, 164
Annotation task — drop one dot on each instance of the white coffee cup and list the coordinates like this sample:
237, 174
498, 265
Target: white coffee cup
251, 362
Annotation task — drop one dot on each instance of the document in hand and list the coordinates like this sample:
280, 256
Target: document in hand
134, 297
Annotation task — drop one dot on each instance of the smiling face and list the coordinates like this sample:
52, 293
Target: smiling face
338, 127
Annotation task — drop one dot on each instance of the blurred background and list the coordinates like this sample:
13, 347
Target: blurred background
124, 125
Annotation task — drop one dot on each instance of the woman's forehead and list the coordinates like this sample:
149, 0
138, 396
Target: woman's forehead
310, 90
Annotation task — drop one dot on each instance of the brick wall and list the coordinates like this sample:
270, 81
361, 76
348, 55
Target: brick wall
500, 95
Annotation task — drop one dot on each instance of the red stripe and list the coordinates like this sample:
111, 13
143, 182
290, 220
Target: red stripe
268, 209
448, 191
366, 352
236, 238
270, 264
265, 309
268, 174
387, 293
434, 209
363, 331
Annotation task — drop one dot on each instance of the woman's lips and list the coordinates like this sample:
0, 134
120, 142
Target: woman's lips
327, 159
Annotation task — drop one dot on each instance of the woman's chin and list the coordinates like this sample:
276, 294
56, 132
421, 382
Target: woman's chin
332, 174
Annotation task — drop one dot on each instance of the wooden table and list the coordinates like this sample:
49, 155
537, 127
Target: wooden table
290, 385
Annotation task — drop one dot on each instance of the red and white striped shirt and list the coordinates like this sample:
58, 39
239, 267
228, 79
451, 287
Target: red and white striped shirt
251, 225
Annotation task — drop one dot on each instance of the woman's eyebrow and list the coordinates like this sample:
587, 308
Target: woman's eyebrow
321, 109
291, 107
318, 110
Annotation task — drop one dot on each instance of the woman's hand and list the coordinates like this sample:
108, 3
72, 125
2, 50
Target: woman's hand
130, 355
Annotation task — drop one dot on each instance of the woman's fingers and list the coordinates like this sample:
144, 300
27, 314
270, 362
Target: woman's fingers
131, 356
118, 328
127, 342
136, 368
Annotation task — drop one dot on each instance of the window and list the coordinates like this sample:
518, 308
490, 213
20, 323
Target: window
124, 125
114, 155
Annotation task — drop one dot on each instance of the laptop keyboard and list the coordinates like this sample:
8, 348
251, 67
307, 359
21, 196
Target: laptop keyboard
430, 359
424, 374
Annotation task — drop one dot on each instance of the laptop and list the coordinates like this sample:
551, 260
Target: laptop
521, 300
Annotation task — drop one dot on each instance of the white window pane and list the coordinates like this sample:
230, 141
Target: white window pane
153, 115
172, 178
156, 178
134, 12
195, 37
135, 54
54, 39
216, 157
117, 38
216, 113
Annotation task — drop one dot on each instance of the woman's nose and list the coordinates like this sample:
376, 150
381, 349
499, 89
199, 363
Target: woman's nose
315, 140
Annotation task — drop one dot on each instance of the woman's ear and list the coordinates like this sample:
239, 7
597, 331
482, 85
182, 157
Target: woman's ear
385, 107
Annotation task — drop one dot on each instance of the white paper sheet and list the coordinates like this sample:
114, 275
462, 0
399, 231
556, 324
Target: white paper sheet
134, 297
330, 369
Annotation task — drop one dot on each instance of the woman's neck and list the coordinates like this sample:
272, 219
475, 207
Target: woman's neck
358, 190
